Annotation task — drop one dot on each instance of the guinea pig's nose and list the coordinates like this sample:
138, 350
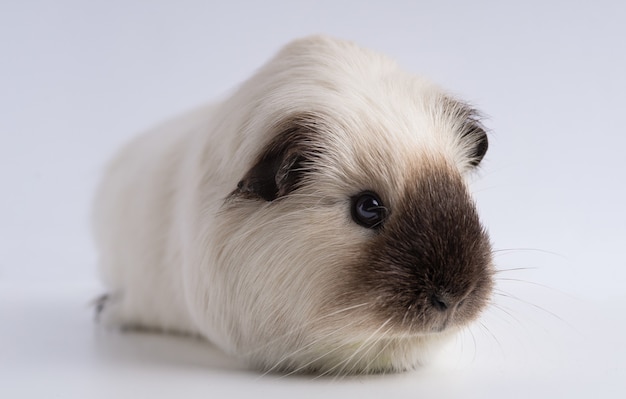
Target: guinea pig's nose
439, 302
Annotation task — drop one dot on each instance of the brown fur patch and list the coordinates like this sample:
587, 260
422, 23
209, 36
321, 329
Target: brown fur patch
429, 267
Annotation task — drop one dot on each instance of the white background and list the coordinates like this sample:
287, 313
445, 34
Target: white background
79, 78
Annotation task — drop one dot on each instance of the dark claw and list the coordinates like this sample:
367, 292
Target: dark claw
100, 303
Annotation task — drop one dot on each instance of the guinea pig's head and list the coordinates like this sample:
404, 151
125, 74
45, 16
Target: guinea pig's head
349, 242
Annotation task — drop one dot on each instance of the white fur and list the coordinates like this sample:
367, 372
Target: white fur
255, 279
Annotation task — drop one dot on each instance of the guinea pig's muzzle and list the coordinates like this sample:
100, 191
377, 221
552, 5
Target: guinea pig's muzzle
429, 267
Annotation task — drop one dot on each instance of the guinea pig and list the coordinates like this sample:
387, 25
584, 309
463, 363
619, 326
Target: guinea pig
317, 220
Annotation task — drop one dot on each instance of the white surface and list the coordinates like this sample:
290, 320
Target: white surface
79, 78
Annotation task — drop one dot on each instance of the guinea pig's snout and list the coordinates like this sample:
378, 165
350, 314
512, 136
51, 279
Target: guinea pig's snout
431, 266
450, 304
444, 306
449, 294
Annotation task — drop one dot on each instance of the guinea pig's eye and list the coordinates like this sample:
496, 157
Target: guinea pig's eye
368, 210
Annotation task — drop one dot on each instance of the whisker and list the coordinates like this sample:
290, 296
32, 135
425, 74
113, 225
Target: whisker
380, 352
475, 346
304, 366
506, 311
310, 344
460, 338
515, 269
518, 280
302, 327
306, 347
347, 360
484, 327
373, 335
543, 251
546, 311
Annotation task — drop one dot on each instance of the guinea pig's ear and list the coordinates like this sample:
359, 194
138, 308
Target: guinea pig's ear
474, 131
279, 169
471, 130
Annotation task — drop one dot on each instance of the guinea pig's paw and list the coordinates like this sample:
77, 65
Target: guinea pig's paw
100, 304
108, 311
